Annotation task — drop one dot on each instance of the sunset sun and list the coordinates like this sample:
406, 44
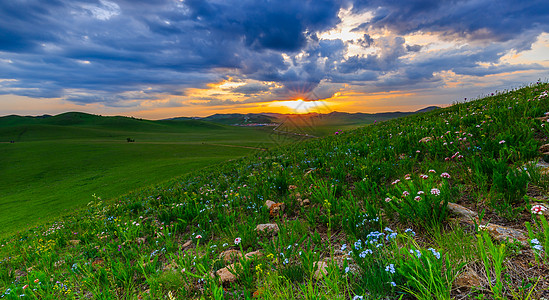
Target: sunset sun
300, 106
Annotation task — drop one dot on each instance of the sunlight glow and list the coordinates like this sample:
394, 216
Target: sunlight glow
300, 106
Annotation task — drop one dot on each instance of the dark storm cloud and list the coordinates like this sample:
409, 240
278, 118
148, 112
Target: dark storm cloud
117, 51
496, 20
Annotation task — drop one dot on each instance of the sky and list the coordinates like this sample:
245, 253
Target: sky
166, 58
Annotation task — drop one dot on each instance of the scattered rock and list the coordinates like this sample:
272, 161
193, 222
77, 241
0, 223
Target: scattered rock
230, 255
74, 242
187, 244
321, 269
502, 233
225, 274
269, 204
267, 228
468, 279
544, 148
466, 215
276, 209
253, 254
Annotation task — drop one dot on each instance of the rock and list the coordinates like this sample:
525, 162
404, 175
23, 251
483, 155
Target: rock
74, 242
267, 228
230, 255
269, 204
276, 209
464, 213
187, 244
544, 148
502, 233
253, 254
321, 269
225, 274
468, 279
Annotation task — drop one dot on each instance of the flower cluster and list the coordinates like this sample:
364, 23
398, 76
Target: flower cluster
538, 209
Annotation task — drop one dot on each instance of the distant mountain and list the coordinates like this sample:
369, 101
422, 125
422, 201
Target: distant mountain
269, 118
333, 117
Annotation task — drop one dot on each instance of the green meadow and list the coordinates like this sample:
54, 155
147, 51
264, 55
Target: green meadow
446, 204
55, 164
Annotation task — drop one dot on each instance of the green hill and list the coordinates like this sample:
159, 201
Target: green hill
370, 213
57, 162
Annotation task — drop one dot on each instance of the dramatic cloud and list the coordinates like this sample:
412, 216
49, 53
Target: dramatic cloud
122, 53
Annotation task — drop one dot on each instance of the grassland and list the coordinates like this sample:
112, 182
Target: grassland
364, 214
57, 163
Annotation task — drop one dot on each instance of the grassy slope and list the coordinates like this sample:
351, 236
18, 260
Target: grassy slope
128, 248
57, 163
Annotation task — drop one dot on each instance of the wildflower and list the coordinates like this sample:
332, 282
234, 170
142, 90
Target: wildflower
405, 193
198, 236
388, 229
538, 209
420, 192
417, 253
387, 199
393, 283
25, 286
435, 191
481, 227
537, 247
501, 142
343, 247
408, 177
390, 268
225, 244
432, 171
534, 241
445, 175
395, 182
410, 231
417, 198
358, 244
365, 252
435, 252
391, 236
357, 297
423, 176
347, 269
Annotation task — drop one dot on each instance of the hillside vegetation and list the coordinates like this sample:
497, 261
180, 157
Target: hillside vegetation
57, 162
365, 214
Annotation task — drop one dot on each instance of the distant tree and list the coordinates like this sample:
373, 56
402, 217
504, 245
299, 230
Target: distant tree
130, 140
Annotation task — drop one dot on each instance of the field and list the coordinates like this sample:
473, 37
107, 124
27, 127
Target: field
56, 164
447, 204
